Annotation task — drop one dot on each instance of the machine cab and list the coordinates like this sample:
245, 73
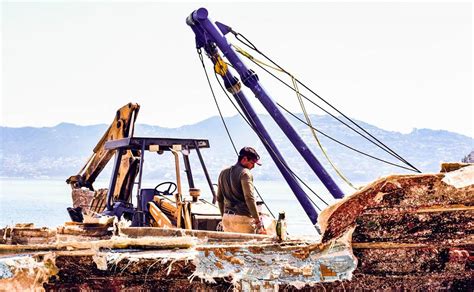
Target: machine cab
166, 205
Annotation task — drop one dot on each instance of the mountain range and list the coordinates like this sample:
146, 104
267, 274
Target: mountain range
62, 150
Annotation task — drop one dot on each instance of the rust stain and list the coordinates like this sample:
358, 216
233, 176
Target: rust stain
307, 271
255, 249
292, 270
326, 272
267, 285
236, 261
219, 265
304, 252
232, 250
301, 254
220, 253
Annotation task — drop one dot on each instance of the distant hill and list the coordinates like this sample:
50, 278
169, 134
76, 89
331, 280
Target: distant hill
469, 158
61, 151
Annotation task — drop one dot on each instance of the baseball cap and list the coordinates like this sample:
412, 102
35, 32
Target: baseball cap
250, 153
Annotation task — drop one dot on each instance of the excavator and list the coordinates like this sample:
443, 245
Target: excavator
85, 198
163, 206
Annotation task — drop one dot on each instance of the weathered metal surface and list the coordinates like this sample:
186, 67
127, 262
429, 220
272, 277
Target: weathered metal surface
136, 232
415, 282
104, 263
273, 265
410, 232
438, 226
395, 192
89, 200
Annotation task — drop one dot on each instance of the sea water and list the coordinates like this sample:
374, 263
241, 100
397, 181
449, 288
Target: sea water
44, 202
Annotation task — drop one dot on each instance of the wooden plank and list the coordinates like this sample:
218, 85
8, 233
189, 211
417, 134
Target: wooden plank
431, 209
396, 245
115, 243
152, 231
414, 227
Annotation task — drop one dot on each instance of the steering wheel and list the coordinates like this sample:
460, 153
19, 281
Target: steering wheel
167, 191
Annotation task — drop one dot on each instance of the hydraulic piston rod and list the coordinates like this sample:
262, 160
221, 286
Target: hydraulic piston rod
209, 35
232, 84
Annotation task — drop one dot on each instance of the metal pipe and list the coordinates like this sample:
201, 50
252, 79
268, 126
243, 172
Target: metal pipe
232, 82
187, 169
208, 178
140, 169
280, 162
250, 79
139, 189
113, 181
178, 176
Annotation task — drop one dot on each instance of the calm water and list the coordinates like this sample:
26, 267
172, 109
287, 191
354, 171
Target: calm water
44, 202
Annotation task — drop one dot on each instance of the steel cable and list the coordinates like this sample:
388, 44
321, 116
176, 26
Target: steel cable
380, 144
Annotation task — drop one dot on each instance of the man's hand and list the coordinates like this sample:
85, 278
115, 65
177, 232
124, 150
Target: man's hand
260, 228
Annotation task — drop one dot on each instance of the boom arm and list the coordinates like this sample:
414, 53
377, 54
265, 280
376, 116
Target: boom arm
122, 127
210, 37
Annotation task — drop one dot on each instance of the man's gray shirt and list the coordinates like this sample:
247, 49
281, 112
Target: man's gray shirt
235, 191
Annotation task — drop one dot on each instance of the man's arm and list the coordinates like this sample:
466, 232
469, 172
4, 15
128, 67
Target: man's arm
220, 195
246, 180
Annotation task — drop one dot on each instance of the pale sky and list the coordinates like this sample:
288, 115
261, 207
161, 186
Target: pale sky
398, 65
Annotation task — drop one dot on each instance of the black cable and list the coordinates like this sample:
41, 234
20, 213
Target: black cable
341, 143
333, 116
267, 143
385, 147
376, 158
253, 47
215, 100
225, 124
360, 127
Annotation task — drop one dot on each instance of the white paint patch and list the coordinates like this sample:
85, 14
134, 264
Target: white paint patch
100, 261
460, 178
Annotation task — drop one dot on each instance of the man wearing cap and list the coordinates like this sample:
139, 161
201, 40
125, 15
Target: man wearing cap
235, 195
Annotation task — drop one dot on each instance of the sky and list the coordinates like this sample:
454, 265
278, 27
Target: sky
395, 65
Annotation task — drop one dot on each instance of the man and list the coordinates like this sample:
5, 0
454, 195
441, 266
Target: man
235, 195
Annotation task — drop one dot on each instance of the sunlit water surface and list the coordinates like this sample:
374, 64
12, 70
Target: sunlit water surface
44, 202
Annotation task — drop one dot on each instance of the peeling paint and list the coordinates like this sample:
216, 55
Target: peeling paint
460, 178
276, 265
